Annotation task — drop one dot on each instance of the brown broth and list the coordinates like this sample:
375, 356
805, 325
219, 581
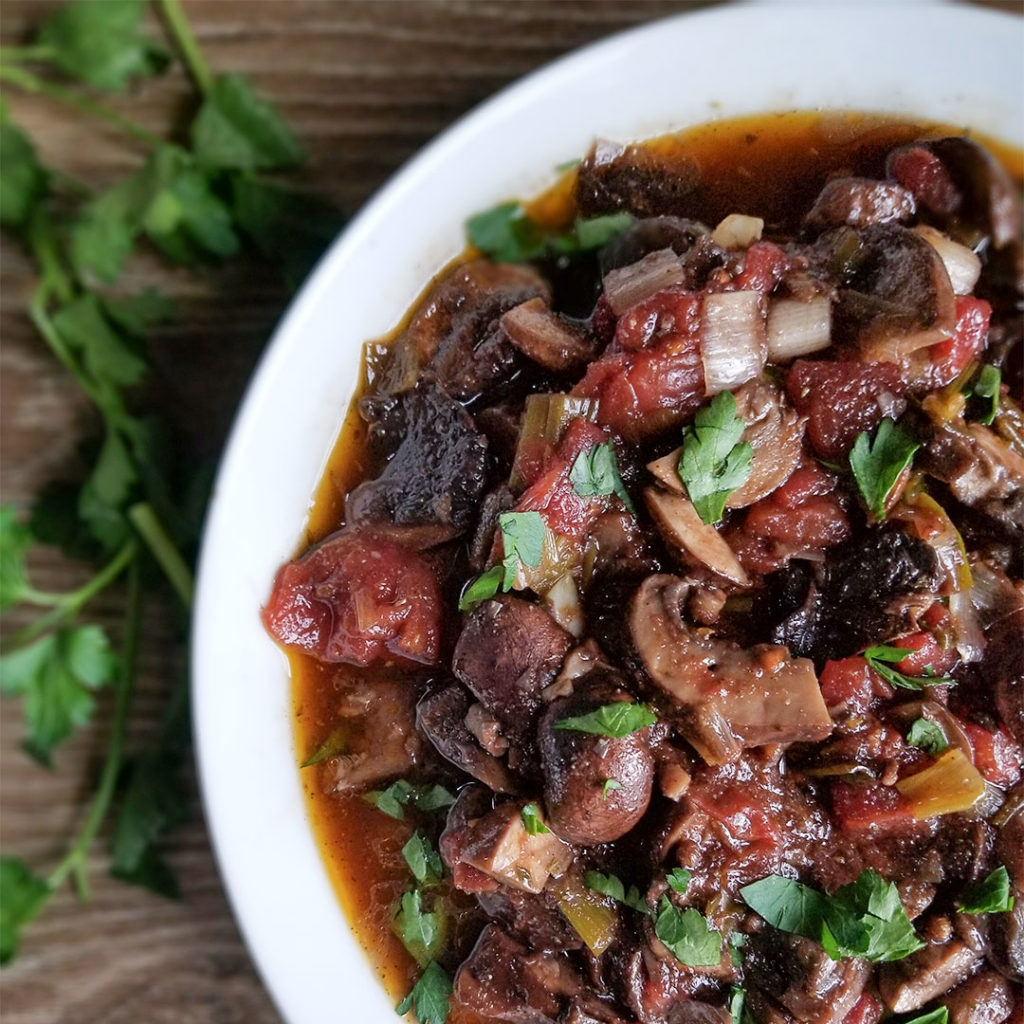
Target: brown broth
769, 165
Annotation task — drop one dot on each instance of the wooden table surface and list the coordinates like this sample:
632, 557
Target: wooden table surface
364, 83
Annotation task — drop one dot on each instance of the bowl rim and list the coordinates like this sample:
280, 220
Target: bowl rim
302, 961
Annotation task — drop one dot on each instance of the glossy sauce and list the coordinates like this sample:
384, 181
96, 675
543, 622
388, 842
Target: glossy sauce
771, 166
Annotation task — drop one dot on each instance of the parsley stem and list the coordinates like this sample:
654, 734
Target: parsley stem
74, 860
26, 53
72, 603
185, 40
29, 82
163, 549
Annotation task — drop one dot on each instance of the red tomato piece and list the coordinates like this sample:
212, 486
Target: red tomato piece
996, 755
840, 399
950, 358
867, 1010
851, 682
925, 176
580, 436
666, 316
869, 807
564, 511
763, 267
746, 819
928, 656
357, 598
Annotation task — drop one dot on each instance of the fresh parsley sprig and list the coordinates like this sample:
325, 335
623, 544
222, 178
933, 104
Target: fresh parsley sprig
522, 537
616, 720
197, 198
878, 462
713, 461
991, 895
596, 473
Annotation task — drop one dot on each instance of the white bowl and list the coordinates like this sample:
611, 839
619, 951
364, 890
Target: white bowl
951, 64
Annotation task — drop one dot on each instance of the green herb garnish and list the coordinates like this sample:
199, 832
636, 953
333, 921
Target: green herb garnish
882, 657
714, 462
423, 859
421, 931
927, 736
679, 879
522, 538
877, 464
687, 934
862, 919
609, 786
532, 820
508, 235
937, 1016
989, 896
611, 885
430, 997
616, 720
983, 393
596, 472
401, 794
332, 745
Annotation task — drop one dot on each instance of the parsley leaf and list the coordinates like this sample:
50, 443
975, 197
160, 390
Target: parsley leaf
927, 736
107, 354
421, 931
937, 1016
862, 919
882, 657
596, 472
22, 178
714, 462
332, 745
532, 821
22, 896
423, 859
483, 588
989, 896
522, 537
611, 885
152, 803
617, 719
877, 464
687, 935
401, 794
508, 235
100, 43
609, 786
15, 539
678, 879
57, 674
236, 130
737, 1004
983, 393
430, 997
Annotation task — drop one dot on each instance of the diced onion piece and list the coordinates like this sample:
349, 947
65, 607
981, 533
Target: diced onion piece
626, 286
559, 555
737, 231
592, 916
962, 265
732, 340
798, 328
681, 526
950, 785
970, 637
563, 601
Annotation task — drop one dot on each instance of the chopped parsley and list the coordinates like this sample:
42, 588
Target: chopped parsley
401, 794
877, 464
609, 786
522, 539
421, 931
423, 859
983, 394
611, 885
507, 234
596, 472
687, 935
332, 745
862, 919
940, 1015
532, 820
714, 462
989, 896
927, 736
679, 879
882, 657
430, 997
617, 720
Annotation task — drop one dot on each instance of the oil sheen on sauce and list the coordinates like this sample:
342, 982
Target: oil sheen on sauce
771, 166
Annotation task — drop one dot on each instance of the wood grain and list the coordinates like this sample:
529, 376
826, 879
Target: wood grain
364, 83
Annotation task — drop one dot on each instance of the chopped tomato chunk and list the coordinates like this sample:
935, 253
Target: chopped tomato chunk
950, 358
763, 267
851, 683
841, 399
357, 598
996, 755
924, 175
928, 658
867, 1010
870, 807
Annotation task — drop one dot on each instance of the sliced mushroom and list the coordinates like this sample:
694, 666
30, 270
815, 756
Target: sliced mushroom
684, 529
859, 202
546, 338
730, 696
